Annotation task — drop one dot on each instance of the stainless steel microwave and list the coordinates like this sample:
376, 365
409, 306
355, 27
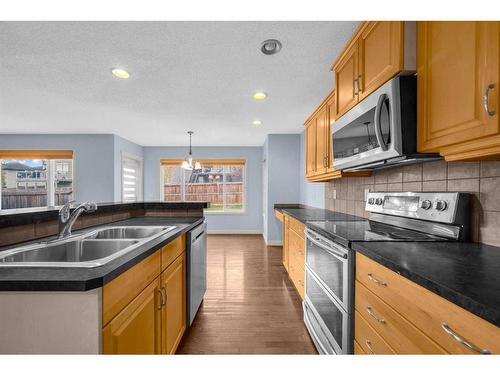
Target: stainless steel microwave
381, 130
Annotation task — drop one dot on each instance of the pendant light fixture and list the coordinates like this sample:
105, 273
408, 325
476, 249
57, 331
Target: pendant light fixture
188, 161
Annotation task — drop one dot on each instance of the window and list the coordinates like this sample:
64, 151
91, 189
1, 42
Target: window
220, 182
35, 178
131, 178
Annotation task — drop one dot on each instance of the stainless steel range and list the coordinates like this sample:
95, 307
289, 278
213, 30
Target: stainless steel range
329, 280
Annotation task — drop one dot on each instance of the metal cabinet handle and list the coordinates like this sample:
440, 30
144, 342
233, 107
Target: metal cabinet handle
376, 281
369, 346
486, 100
461, 340
355, 87
165, 296
369, 310
360, 77
161, 298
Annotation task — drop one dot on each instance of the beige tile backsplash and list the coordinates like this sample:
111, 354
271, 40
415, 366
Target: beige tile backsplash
482, 179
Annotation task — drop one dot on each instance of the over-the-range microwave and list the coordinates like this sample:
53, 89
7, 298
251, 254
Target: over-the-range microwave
381, 130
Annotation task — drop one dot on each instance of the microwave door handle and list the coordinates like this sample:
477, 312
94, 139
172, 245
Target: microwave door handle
378, 129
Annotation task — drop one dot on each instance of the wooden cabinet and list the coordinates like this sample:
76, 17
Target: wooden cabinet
173, 313
136, 329
415, 319
374, 55
458, 77
144, 309
319, 158
294, 252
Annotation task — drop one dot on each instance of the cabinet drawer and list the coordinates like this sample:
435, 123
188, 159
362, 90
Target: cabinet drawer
369, 340
357, 348
279, 215
296, 259
399, 333
119, 292
297, 226
428, 311
172, 250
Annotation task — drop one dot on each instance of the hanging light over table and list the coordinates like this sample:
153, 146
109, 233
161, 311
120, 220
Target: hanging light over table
188, 161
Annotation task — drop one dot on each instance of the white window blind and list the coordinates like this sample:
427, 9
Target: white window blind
131, 179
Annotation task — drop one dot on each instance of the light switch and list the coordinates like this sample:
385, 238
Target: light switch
366, 194
334, 194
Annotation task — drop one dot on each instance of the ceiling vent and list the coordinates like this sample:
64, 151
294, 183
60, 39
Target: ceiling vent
270, 46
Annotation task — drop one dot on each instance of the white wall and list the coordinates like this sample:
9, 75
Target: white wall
311, 193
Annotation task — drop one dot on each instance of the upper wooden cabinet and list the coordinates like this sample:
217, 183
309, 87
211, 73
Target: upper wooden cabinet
458, 101
319, 163
377, 52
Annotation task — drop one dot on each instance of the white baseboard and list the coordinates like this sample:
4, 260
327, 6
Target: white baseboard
234, 231
273, 243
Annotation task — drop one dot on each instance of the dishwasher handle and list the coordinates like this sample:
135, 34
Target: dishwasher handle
196, 236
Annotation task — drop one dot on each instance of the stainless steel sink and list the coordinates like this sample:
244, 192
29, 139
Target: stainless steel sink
128, 232
69, 252
87, 249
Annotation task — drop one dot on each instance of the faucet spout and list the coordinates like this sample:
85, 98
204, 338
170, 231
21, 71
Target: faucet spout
66, 220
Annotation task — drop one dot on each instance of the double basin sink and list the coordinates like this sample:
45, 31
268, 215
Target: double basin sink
88, 249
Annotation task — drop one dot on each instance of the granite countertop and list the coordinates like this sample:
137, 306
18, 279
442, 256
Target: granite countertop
307, 213
83, 279
467, 274
28, 216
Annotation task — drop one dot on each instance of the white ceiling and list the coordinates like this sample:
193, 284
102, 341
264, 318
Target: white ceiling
55, 78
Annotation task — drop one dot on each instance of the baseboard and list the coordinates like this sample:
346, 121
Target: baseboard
273, 243
234, 231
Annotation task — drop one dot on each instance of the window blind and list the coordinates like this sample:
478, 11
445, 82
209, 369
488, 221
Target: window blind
131, 180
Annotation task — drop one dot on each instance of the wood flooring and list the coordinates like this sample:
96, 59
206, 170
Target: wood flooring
251, 307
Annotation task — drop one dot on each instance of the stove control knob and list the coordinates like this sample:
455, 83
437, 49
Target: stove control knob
426, 204
378, 201
371, 201
441, 205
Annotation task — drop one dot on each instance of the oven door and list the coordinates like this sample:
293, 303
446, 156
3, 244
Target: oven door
325, 319
329, 262
371, 131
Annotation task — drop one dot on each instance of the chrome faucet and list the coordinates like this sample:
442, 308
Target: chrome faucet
67, 219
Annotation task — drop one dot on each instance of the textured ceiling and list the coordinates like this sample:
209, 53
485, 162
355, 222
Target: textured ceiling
55, 78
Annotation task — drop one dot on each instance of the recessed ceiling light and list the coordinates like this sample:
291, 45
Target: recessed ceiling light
256, 122
120, 73
259, 95
270, 46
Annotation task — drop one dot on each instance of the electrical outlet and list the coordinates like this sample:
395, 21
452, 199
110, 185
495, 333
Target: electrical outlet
366, 194
334, 194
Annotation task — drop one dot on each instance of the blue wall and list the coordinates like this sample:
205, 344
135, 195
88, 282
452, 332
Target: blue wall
93, 156
282, 154
311, 193
251, 220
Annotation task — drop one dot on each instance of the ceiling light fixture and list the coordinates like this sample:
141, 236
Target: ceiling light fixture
188, 162
259, 95
270, 46
256, 122
120, 73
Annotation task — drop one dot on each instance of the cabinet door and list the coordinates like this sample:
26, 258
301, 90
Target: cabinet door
285, 242
331, 113
321, 141
380, 54
136, 329
311, 148
456, 63
297, 261
346, 72
173, 313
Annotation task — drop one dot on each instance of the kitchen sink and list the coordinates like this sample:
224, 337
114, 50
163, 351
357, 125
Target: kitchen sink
86, 249
128, 232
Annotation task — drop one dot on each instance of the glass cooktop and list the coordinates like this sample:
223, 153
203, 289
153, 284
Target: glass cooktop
371, 231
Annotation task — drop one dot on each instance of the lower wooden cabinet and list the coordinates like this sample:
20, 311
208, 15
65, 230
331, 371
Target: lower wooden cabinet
150, 319
173, 313
136, 329
294, 252
411, 319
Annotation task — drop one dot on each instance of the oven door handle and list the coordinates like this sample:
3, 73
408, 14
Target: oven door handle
331, 250
312, 331
378, 128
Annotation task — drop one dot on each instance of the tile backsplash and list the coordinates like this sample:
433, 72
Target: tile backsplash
482, 179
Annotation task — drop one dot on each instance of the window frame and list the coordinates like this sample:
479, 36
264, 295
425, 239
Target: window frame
140, 186
208, 161
42, 154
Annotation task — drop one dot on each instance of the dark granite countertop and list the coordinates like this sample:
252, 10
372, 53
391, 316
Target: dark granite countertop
306, 213
467, 274
82, 279
37, 214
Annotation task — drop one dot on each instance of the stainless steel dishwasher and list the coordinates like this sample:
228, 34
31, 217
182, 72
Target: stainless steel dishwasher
196, 270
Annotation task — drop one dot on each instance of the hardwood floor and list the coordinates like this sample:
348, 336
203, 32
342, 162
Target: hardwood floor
251, 307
